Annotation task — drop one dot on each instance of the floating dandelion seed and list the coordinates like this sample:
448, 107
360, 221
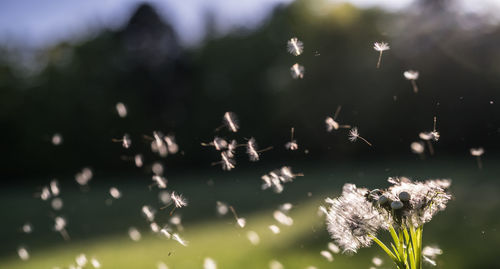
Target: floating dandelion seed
60, 226
157, 168
252, 150
218, 143
295, 46
121, 109
115, 193
327, 255
276, 178
45, 194
158, 145
172, 146
333, 248
477, 152
125, 140
177, 221
418, 148
222, 208
412, 76
275, 229
181, 241
27, 228
231, 147
96, 263
164, 197
161, 265
231, 122
377, 261
427, 137
226, 162
435, 133
285, 207
430, 254
166, 232
380, 47
160, 181
138, 160
274, 264
297, 71
134, 234
57, 203
282, 218
23, 253
84, 176
54, 187
209, 263
179, 200
292, 145
81, 260
253, 237
148, 212
331, 124
240, 221
155, 228
354, 135
57, 139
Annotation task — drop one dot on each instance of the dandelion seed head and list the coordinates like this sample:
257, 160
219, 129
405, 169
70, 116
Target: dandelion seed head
327, 255
285, 207
295, 46
23, 253
45, 194
476, 152
57, 203
253, 237
57, 139
274, 229
179, 200
297, 71
231, 122
411, 75
417, 147
115, 193
209, 263
176, 220
430, 253
166, 232
352, 220
381, 46
121, 109
134, 234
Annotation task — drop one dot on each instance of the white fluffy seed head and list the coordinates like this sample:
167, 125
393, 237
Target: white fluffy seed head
297, 71
253, 237
417, 147
134, 234
121, 109
327, 255
411, 75
295, 46
476, 152
57, 139
381, 46
209, 263
23, 253
275, 229
115, 193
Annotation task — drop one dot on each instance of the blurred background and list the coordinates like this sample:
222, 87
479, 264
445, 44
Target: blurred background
178, 66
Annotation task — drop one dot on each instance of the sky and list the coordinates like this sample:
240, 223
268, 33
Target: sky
38, 23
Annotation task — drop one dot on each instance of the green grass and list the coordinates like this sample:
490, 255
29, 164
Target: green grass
466, 231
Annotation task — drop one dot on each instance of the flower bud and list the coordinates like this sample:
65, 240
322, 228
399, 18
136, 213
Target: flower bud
404, 196
396, 205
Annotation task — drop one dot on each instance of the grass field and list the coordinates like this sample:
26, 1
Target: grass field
467, 231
